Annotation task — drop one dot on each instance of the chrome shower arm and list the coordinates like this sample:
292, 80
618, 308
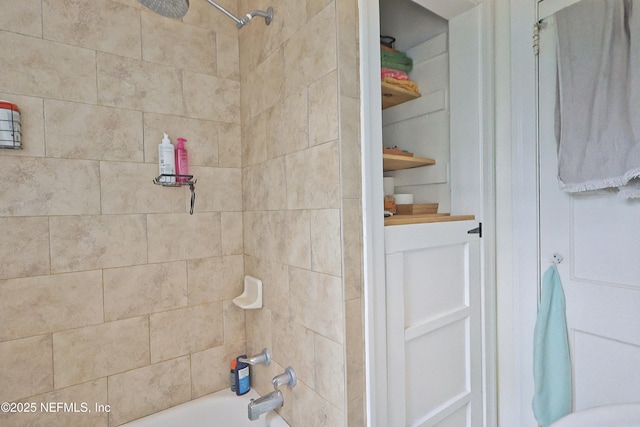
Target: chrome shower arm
226, 12
241, 22
268, 16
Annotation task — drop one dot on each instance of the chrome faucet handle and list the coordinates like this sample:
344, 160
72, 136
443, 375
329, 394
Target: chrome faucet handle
262, 358
287, 378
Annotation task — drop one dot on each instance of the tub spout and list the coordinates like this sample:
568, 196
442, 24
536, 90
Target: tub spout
266, 403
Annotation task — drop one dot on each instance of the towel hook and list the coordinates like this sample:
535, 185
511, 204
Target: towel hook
556, 258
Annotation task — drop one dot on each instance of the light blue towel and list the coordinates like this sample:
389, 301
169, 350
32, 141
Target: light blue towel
551, 361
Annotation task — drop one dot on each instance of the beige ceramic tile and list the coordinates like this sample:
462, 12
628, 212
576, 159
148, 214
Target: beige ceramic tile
348, 54
170, 42
296, 238
97, 241
49, 186
228, 61
254, 140
316, 302
86, 403
96, 351
257, 40
254, 242
315, 6
234, 325
264, 186
183, 236
202, 137
211, 98
218, 189
311, 54
352, 243
31, 124
95, 24
293, 14
301, 355
265, 85
128, 188
326, 249
44, 304
265, 235
21, 376
275, 283
215, 279
357, 416
355, 349
24, 17
288, 125
230, 145
48, 69
204, 15
350, 164
323, 109
25, 247
210, 368
138, 85
81, 131
329, 370
313, 177
144, 289
231, 233
132, 3
259, 330
309, 409
186, 330
147, 390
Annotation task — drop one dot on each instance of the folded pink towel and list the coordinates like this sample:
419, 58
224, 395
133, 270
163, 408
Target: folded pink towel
396, 74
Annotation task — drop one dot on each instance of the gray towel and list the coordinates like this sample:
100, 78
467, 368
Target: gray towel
599, 96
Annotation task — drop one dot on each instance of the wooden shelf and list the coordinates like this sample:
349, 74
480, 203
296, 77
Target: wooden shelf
394, 162
393, 95
424, 218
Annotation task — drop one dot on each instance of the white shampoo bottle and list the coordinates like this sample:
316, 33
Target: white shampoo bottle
167, 160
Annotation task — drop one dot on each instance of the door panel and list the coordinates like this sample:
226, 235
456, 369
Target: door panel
597, 234
434, 329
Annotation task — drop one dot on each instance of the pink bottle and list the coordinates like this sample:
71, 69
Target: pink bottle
182, 163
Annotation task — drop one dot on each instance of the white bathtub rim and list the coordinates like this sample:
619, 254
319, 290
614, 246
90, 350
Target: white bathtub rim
195, 410
619, 415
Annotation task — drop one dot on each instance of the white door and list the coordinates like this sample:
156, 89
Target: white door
598, 235
434, 330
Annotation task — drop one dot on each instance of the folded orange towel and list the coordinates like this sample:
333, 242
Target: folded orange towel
404, 84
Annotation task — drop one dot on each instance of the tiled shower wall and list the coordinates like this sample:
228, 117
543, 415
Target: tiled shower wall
302, 204
110, 292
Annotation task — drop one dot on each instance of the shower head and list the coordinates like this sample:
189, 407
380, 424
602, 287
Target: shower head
179, 8
168, 8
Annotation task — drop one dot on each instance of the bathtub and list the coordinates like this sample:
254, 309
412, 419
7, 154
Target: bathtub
621, 415
221, 409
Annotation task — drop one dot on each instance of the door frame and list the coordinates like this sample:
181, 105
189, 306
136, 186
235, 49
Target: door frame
373, 220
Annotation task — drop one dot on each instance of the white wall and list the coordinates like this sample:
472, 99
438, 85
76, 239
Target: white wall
410, 23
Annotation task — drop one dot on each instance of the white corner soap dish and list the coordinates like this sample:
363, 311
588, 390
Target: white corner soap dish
251, 297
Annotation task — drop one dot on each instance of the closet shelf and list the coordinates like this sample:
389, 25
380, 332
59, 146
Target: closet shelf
393, 95
394, 162
425, 218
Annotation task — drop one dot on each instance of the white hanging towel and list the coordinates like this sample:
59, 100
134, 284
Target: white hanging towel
598, 117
